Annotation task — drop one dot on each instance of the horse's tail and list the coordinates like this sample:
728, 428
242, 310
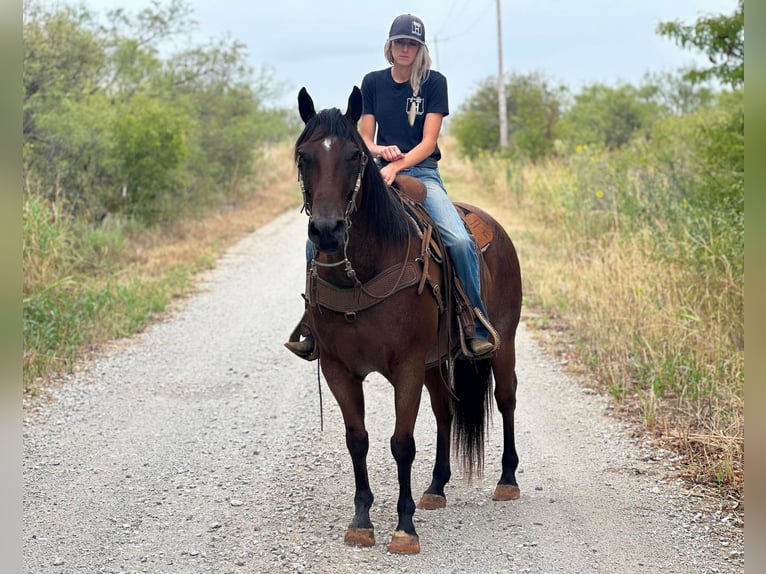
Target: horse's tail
472, 409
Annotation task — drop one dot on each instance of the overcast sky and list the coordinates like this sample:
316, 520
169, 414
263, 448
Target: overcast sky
328, 45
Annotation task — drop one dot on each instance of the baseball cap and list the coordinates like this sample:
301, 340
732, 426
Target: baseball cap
408, 26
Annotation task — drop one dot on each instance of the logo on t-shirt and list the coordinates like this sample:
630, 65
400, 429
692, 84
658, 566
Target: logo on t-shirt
417, 102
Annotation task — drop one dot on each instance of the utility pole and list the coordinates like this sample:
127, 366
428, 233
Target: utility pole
502, 109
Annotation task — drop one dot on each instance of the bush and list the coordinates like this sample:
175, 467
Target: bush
150, 144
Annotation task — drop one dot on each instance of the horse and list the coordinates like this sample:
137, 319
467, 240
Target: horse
360, 230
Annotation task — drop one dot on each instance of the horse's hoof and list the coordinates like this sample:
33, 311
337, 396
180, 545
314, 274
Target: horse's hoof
403, 543
360, 537
432, 501
506, 492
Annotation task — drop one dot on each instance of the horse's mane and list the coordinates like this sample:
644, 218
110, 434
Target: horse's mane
380, 207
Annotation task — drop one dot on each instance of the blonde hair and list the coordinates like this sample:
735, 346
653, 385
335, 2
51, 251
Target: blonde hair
421, 68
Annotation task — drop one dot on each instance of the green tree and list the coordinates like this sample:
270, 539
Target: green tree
150, 142
675, 93
133, 43
73, 154
475, 125
720, 38
609, 116
63, 60
533, 108
116, 117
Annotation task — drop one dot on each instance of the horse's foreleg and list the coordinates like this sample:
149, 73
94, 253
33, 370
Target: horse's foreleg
360, 532
505, 395
348, 392
434, 496
407, 392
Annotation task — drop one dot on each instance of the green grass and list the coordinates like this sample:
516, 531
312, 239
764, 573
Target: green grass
66, 317
87, 285
641, 272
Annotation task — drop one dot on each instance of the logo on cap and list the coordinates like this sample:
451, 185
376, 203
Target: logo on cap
417, 29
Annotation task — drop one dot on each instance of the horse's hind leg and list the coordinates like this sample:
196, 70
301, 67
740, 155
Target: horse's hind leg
503, 367
434, 496
348, 392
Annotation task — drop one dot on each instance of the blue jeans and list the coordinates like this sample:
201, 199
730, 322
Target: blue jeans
459, 244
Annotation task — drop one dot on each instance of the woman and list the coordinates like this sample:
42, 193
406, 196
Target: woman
406, 104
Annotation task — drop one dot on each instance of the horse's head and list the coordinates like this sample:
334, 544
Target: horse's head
331, 159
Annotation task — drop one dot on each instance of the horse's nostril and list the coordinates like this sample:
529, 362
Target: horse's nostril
326, 234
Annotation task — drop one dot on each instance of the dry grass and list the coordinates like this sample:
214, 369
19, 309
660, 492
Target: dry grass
645, 332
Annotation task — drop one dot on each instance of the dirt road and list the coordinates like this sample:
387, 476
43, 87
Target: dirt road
196, 447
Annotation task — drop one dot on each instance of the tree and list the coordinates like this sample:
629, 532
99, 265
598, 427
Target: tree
63, 59
675, 93
720, 38
609, 116
150, 141
117, 119
533, 108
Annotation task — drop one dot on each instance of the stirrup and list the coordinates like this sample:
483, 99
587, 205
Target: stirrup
484, 351
305, 349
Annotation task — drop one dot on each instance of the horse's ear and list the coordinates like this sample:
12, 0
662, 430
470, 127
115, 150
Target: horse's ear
354, 110
306, 106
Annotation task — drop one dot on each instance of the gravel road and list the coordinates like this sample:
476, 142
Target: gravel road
196, 447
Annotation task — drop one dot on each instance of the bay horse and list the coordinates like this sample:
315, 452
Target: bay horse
359, 228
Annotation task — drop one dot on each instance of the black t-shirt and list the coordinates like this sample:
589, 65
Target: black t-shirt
389, 101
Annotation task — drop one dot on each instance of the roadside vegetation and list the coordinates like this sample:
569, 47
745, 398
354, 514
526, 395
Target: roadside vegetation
626, 202
140, 163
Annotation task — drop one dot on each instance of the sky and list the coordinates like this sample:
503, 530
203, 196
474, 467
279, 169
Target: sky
328, 45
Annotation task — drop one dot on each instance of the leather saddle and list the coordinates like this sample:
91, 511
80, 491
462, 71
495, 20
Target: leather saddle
478, 229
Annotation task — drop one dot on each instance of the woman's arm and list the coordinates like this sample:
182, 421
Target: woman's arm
431, 129
367, 131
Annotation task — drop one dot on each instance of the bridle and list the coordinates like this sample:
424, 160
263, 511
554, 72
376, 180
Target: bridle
350, 208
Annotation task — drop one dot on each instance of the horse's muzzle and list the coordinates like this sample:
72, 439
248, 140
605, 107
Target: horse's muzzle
327, 234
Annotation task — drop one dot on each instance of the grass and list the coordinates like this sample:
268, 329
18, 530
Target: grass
85, 287
660, 332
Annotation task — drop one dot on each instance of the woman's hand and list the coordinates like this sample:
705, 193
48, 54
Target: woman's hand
390, 152
389, 173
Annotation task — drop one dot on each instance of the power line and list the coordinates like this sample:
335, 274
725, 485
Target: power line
471, 26
447, 16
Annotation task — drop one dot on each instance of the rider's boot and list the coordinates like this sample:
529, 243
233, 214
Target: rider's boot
305, 348
481, 346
